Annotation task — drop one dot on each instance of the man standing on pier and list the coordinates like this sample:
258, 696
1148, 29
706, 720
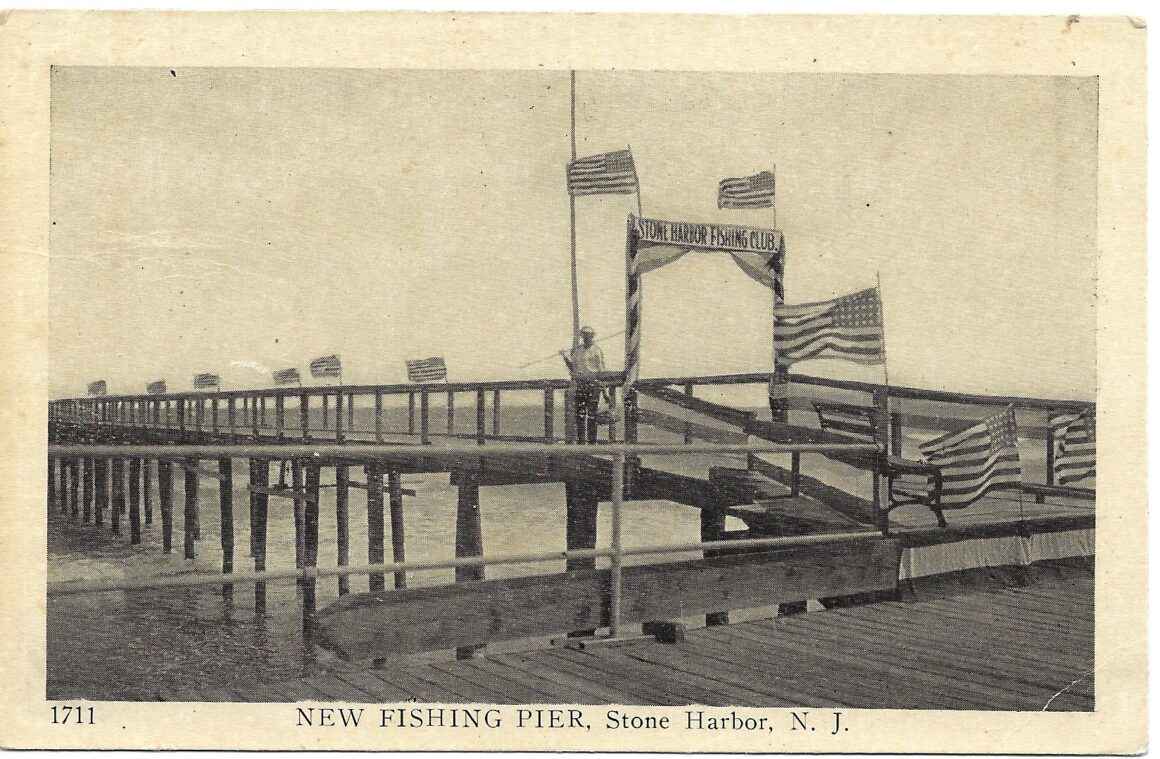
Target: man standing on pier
585, 363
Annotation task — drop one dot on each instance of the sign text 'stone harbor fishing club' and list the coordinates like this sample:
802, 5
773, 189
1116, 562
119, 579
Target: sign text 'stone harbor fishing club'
711, 236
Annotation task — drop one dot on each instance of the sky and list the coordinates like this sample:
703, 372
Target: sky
238, 221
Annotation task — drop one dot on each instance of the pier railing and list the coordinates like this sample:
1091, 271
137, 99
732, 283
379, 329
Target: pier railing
375, 458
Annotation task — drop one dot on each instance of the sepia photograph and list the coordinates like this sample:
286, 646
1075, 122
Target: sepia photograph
618, 400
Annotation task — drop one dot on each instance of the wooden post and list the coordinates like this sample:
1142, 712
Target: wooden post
226, 501
165, 503
398, 543
87, 492
374, 476
549, 415
118, 486
712, 528
102, 489
882, 438
410, 413
378, 416
181, 419
147, 489
325, 411
570, 413
213, 416
254, 431
74, 482
310, 530
53, 495
134, 501
259, 504
480, 416
450, 412
612, 427
304, 413
424, 418
468, 539
168, 414
296, 482
495, 412
350, 413
795, 473
580, 531
231, 414
338, 418
279, 416
689, 390
262, 411
1050, 476
190, 523
342, 521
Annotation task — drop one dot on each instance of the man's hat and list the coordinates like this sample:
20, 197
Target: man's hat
587, 330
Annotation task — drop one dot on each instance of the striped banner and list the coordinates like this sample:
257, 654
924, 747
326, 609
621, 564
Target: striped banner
1074, 436
605, 174
98, 388
746, 192
156, 388
848, 328
286, 377
206, 381
427, 369
326, 366
977, 460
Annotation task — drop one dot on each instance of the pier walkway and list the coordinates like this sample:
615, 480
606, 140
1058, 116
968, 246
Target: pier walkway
1014, 648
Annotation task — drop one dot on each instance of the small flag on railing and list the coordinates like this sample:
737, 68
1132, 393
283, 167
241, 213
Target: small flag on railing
847, 328
206, 381
1074, 437
286, 377
605, 174
98, 388
427, 369
746, 192
156, 388
977, 460
326, 366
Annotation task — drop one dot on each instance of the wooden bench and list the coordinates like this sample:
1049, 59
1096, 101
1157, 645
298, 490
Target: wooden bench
908, 481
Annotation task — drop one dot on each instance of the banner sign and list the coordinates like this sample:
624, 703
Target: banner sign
707, 236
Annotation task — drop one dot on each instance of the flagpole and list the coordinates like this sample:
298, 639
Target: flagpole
639, 209
572, 211
773, 200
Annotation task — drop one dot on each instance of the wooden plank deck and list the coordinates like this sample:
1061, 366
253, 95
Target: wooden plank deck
1013, 649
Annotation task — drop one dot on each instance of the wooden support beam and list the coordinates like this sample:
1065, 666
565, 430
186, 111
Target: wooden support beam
279, 416
213, 417
468, 542
338, 420
450, 412
495, 394
101, 477
325, 411
134, 501
297, 483
259, 507
87, 491
190, 521
366, 625
310, 519
549, 415
226, 503
117, 507
231, 415
480, 416
424, 418
342, 521
165, 503
378, 417
374, 477
350, 412
53, 495
304, 414
411, 413
712, 528
398, 535
147, 489
74, 482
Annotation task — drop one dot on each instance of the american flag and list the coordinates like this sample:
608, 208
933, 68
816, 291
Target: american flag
98, 388
427, 369
156, 388
206, 381
605, 174
326, 366
977, 460
1074, 436
746, 192
847, 328
286, 376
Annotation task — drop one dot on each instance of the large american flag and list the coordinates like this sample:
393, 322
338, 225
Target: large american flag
326, 366
746, 192
847, 328
206, 381
286, 376
156, 388
605, 174
1074, 436
427, 369
98, 388
977, 460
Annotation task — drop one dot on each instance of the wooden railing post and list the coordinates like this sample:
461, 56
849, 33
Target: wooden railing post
350, 413
338, 436
280, 416
1049, 476
549, 415
411, 413
304, 414
325, 411
450, 412
480, 416
424, 418
895, 434
495, 412
378, 416
882, 438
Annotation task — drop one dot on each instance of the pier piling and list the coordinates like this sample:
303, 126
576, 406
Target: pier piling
226, 501
297, 484
87, 491
147, 489
190, 523
398, 548
74, 477
165, 502
310, 531
117, 477
468, 539
374, 477
134, 501
342, 521
581, 508
259, 506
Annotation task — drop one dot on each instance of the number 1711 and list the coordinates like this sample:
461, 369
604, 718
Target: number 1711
72, 715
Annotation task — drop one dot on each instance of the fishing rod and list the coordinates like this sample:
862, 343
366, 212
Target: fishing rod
557, 353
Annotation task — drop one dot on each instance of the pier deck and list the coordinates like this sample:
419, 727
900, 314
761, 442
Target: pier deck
1025, 648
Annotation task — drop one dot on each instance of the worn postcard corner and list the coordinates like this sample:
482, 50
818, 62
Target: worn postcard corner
573, 382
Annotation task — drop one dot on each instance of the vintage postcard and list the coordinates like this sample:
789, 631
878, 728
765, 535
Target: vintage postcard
573, 382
